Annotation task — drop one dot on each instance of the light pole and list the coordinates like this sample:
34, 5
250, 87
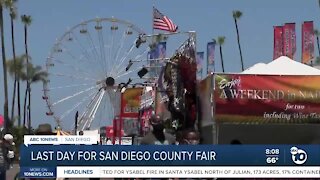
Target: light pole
76, 123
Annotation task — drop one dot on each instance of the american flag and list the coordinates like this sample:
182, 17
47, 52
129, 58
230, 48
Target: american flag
162, 22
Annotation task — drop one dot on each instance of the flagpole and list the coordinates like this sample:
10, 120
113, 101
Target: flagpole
214, 60
152, 41
208, 58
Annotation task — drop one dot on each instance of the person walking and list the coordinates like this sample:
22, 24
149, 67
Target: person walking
157, 136
9, 145
4, 160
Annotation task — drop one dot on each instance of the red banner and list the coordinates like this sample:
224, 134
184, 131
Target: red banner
307, 42
289, 40
277, 41
130, 102
267, 98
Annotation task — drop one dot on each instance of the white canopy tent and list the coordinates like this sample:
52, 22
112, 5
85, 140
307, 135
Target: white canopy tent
282, 66
256, 69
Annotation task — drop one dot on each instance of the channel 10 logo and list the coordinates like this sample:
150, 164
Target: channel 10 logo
299, 156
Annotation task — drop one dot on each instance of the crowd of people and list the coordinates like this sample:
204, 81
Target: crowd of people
158, 136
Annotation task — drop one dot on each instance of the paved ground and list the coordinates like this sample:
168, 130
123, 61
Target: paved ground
13, 171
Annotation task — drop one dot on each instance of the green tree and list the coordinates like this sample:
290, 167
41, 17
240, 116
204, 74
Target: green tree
5, 78
221, 40
33, 74
18, 133
236, 16
26, 20
17, 66
10, 5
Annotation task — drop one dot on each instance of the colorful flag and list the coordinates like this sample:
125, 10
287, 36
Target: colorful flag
210, 57
277, 41
307, 42
157, 56
289, 40
162, 22
199, 58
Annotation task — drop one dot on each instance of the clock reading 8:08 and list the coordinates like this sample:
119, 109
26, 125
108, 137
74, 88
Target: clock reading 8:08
272, 151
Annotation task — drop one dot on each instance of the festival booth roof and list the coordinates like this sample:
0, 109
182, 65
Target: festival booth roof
266, 132
256, 69
282, 66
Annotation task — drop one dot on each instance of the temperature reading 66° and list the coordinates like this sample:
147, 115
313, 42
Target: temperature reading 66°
272, 160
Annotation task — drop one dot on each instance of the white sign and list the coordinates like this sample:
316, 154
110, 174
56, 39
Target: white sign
124, 141
56, 140
147, 99
131, 126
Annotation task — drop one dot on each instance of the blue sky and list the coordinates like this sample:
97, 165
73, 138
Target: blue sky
209, 18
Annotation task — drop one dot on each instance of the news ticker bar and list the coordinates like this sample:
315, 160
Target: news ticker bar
178, 172
171, 155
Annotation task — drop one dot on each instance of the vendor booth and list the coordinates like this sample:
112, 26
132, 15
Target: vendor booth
275, 103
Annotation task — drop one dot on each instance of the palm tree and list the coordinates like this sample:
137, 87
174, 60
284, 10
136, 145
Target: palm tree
221, 40
32, 75
10, 4
17, 66
5, 78
317, 34
237, 15
26, 20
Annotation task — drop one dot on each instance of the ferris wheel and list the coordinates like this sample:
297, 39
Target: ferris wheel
85, 68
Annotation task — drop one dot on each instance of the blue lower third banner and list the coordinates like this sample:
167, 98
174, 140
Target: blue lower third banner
198, 161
